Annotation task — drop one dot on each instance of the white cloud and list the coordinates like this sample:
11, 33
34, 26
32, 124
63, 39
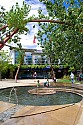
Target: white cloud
9, 3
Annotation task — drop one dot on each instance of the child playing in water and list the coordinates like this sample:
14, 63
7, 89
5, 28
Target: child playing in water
38, 83
46, 84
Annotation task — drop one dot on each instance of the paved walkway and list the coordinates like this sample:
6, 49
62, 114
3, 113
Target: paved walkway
26, 82
71, 114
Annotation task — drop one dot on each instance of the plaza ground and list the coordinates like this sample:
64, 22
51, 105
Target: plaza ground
69, 114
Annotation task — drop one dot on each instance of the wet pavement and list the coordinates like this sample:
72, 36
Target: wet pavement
69, 114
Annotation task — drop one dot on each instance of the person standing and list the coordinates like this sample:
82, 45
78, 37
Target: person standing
35, 75
72, 77
54, 78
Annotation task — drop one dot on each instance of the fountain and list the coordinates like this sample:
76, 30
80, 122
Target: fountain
13, 90
43, 96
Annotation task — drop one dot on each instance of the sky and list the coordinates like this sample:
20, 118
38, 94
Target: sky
27, 40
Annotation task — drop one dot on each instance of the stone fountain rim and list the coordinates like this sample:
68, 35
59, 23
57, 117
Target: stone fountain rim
35, 91
55, 90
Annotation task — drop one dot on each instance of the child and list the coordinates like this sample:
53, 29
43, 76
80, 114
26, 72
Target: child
38, 83
46, 84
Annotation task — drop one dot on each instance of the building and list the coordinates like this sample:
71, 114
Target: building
32, 56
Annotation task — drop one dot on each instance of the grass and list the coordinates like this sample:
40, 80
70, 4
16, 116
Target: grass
68, 81
64, 80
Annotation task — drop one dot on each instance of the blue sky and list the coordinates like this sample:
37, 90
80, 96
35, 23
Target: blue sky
27, 40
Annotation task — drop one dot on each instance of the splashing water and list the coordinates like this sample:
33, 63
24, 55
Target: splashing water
13, 90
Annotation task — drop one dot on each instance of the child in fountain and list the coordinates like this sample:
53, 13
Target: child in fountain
46, 84
38, 83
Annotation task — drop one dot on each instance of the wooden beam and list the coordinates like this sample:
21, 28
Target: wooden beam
3, 27
51, 21
8, 37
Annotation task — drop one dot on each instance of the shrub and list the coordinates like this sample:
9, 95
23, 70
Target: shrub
66, 77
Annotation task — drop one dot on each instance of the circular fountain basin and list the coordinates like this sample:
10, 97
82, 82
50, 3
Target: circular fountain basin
53, 97
42, 91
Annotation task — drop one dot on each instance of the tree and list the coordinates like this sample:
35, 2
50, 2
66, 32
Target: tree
65, 46
16, 21
4, 61
67, 38
20, 59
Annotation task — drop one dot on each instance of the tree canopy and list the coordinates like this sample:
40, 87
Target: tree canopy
15, 20
63, 41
